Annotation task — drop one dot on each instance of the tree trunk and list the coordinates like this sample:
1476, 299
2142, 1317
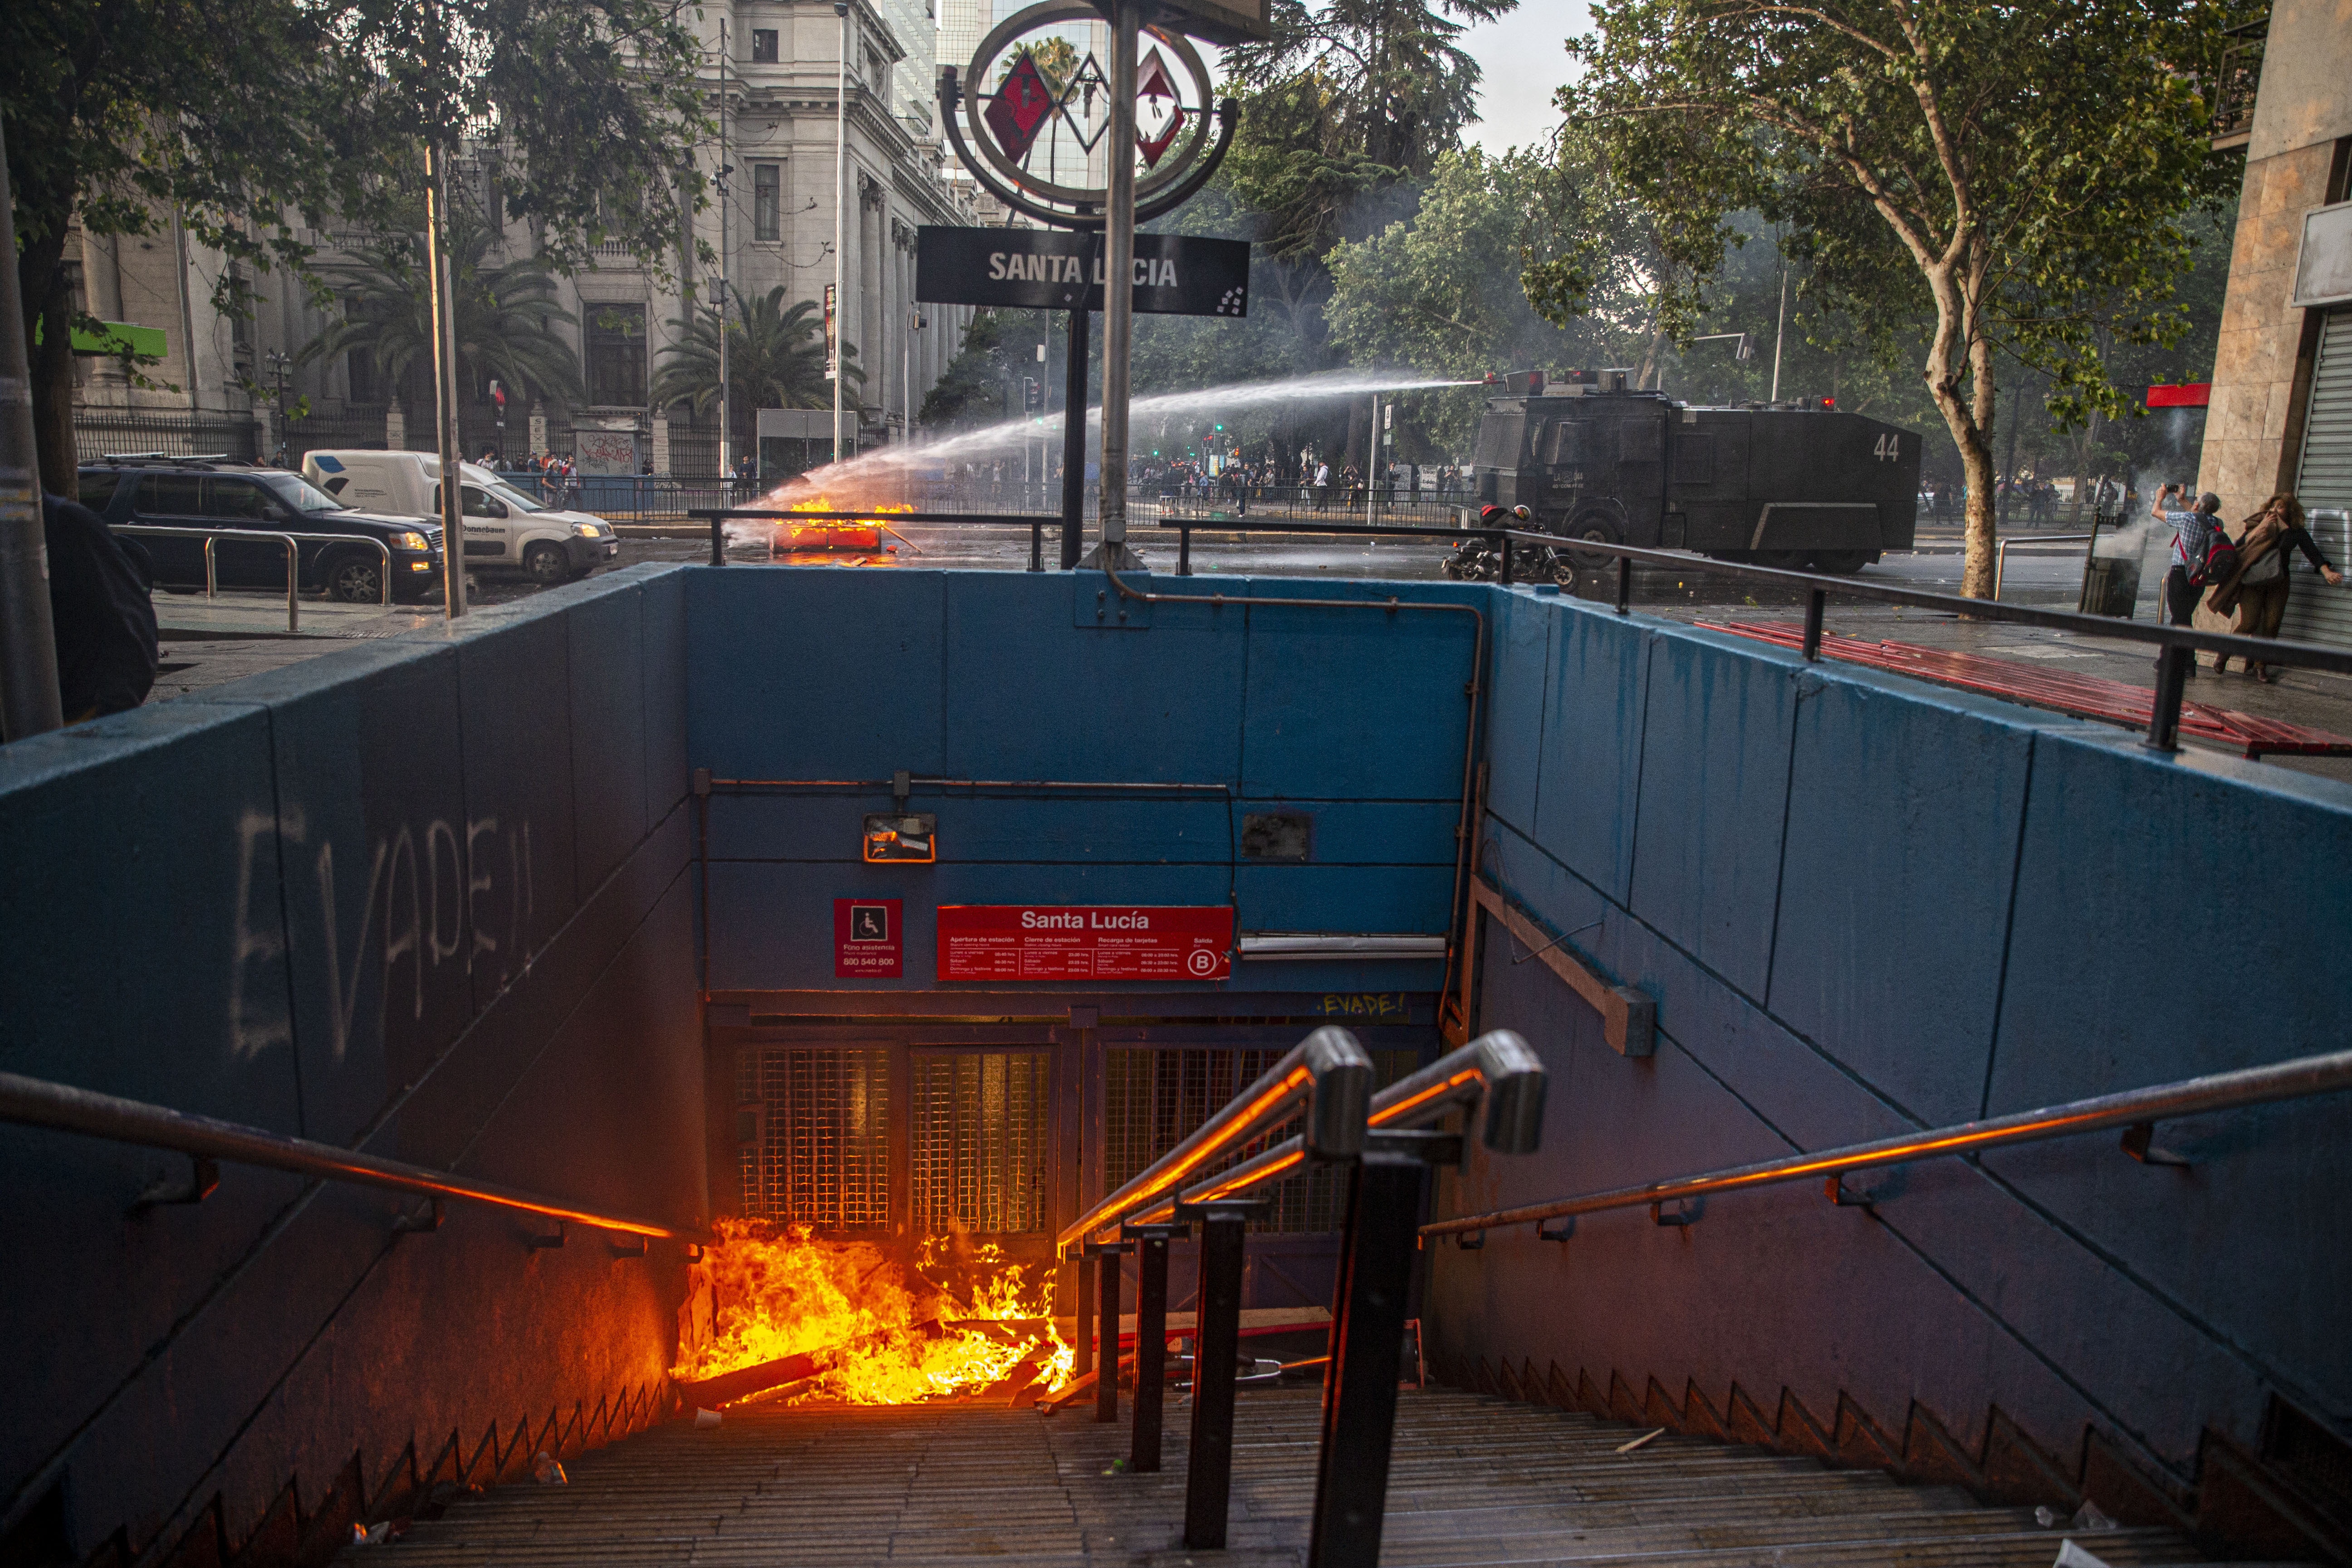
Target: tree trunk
48, 301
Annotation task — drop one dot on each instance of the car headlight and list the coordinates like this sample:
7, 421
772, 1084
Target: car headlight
587, 531
408, 542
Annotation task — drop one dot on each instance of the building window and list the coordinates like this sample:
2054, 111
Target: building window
763, 45
766, 201
616, 356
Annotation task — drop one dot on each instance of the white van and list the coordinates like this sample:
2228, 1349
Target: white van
506, 531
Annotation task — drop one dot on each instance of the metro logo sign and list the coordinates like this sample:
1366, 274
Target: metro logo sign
1084, 941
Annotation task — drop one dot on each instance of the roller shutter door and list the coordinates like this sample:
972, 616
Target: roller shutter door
2314, 612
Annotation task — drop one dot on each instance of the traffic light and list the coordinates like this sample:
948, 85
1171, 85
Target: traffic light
1033, 394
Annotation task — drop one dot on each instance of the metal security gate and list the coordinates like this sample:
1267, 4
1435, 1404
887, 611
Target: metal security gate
2314, 612
1155, 1098
979, 1142
819, 1153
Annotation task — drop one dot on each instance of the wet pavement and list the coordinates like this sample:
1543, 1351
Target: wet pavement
2045, 574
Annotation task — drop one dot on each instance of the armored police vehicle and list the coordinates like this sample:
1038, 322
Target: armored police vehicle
1791, 485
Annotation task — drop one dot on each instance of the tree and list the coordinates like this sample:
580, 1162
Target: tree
505, 314
775, 359
250, 121
2020, 173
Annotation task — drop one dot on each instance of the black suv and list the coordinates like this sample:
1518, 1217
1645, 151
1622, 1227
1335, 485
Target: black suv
216, 493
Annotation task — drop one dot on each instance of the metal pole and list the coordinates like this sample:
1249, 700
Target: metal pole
1083, 1360
1359, 1387
1107, 1313
1074, 436
29, 700
1150, 1350
1118, 289
840, 212
726, 427
1780, 333
1371, 462
1209, 1465
445, 378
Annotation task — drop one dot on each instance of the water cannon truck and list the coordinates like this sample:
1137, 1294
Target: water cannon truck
1797, 485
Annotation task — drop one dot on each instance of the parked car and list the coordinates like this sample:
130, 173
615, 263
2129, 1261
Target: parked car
506, 531
216, 493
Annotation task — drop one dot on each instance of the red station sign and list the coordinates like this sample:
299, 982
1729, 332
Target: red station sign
1084, 941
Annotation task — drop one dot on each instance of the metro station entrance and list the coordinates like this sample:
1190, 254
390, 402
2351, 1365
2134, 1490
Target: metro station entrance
984, 1126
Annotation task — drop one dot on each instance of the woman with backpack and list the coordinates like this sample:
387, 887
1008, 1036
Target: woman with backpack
2254, 590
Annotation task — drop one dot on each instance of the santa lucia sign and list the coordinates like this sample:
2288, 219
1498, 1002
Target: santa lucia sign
1054, 269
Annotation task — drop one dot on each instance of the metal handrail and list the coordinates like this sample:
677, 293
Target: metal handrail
293, 558
1328, 1074
2295, 1080
1498, 1067
36, 1102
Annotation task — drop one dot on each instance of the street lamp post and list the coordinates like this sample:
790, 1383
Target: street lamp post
444, 376
840, 212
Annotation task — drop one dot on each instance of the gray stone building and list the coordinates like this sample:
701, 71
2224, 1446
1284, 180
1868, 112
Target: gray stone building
772, 75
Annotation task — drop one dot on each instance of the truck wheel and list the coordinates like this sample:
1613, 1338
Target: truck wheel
1782, 559
546, 565
1843, 562
1596, 527
355, 579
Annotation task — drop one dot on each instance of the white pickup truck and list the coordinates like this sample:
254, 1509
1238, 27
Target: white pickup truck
506, 531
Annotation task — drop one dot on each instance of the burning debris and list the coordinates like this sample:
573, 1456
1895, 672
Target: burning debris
864, 533
795, 1317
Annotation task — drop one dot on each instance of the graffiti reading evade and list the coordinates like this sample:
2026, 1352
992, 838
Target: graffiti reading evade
426, 890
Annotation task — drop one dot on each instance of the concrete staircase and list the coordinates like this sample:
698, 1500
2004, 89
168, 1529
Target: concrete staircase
1476, 1481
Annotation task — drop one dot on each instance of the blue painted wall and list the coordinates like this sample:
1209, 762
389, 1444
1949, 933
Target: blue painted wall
430, 897
1865, 905
1356, 717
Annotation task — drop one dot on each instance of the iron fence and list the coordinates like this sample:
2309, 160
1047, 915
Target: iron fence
98, 431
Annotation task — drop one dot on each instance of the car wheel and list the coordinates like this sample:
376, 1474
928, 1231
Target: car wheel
1844, 562
546, 565
355, 580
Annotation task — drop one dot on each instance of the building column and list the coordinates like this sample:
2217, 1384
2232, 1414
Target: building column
101, 287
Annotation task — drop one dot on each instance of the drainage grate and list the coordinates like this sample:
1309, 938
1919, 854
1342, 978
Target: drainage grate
979, 1141
821, 1155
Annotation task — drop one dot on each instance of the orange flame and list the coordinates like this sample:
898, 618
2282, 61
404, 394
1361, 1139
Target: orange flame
858, 535
883, 1338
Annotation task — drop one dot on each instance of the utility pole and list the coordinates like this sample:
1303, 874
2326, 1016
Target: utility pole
30, 701
445, 378
840, 213
1119, 287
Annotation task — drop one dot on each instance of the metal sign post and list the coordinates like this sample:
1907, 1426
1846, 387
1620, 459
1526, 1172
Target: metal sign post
445, 378
1118, 296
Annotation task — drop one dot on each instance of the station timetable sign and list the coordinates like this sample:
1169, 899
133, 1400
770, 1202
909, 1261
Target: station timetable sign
1056, 269
1084, 941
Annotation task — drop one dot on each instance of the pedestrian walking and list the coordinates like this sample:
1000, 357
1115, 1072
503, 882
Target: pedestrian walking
2254, 593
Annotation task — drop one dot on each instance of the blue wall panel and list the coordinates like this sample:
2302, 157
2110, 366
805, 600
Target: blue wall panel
145, 943
814, 672
1595, 689
662, 679
1714, 793
606, 653
1358, 703
1904, 813
1030, 696
1524, 624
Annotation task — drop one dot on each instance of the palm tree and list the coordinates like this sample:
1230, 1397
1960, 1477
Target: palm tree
506, 315
775, 359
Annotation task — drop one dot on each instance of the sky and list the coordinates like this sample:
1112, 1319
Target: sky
1520, 55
